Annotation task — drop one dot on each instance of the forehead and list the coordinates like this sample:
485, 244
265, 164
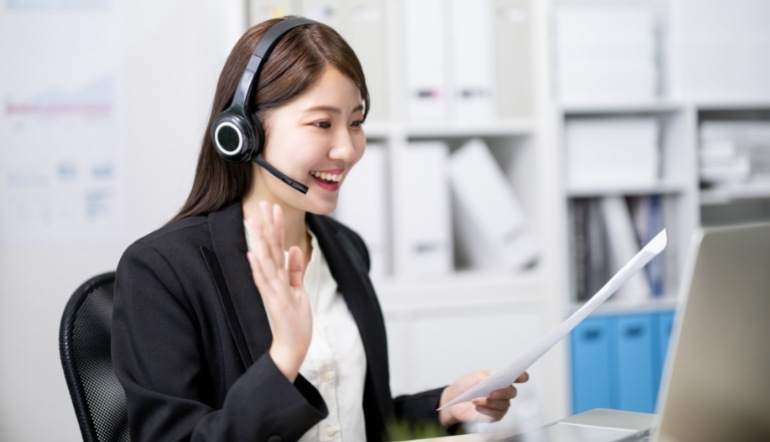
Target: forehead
332, 88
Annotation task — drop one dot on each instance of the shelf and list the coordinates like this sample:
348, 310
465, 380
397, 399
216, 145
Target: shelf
511, 128
666, 188
461, 290
622, 107
732, 105
610, 307
523, 127
735, 193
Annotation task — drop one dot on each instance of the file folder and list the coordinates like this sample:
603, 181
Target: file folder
422, 224
363, 206
512, 60
472, 57
635, 376
592, 363
663, 323
363, 25
426, 60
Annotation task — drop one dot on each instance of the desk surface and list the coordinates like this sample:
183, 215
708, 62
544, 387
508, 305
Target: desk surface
597, 417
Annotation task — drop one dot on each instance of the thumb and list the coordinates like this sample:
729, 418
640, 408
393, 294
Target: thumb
296, 267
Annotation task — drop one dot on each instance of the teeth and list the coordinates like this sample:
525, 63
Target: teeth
327, 176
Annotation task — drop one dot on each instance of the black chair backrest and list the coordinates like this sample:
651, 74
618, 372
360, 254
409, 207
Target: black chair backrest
84, 346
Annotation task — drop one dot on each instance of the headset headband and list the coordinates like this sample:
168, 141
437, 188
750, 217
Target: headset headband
266, 44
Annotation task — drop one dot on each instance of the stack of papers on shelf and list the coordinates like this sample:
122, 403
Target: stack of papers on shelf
606, 54
612, 152
733, 153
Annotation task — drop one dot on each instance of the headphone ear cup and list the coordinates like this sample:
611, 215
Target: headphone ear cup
233, 137
259, 137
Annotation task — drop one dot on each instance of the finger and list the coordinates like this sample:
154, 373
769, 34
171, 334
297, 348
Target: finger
280, 227
256, 269
498, 399
495, 404
296, 267
263, 256
524, 377
271, 234
490, 414
506, 393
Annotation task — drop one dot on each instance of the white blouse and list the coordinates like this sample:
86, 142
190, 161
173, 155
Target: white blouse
335, 362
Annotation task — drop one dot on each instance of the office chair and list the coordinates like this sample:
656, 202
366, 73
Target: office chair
84, 347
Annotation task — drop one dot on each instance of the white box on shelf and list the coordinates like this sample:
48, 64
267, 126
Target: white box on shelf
422, 218
718, 50
492, 227
606, 54
612, 152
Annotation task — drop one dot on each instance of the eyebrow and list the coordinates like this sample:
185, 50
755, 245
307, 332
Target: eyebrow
332, 109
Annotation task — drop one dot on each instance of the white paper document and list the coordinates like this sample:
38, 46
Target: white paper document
509, 374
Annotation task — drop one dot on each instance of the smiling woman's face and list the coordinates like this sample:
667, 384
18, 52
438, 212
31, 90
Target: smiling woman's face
315, 139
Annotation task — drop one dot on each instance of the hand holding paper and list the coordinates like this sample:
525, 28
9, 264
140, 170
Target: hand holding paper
508, 375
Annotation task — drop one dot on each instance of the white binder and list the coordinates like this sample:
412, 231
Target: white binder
422, 218
513, 52
471, 53
492, 227
363, 206
425, 54
363, 25
622, 245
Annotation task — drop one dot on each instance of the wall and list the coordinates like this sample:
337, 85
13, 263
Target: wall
173, 51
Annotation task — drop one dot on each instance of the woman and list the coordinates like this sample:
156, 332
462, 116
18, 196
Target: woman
250, 316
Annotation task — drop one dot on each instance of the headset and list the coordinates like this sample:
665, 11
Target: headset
237, 135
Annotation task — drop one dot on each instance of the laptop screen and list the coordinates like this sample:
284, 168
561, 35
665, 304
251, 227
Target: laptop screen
717, 382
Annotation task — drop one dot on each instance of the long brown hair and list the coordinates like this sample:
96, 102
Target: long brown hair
296, 63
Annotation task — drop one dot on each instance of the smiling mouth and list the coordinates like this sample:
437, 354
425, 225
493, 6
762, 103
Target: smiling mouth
327, 177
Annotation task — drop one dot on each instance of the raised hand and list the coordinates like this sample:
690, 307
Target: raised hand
282, 290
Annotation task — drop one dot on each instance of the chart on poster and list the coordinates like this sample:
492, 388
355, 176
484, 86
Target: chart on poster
61, 121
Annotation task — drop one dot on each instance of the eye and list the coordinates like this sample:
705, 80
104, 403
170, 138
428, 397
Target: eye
323, 124
357, 123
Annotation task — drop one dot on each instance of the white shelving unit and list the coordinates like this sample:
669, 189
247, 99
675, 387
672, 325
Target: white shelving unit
441, 326
693, 85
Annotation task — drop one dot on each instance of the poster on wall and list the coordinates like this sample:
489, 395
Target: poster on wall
61, 121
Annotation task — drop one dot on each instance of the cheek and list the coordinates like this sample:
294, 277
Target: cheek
360, 151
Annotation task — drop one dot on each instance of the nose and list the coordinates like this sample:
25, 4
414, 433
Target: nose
348, 146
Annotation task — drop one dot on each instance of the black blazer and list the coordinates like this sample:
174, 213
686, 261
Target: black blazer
174, 347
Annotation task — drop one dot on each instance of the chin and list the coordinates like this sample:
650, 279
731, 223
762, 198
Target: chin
323, 207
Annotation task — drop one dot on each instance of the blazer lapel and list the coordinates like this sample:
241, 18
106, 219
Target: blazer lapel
347, 266
228, 239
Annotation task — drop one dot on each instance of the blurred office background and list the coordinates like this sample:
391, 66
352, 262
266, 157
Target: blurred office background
519, 152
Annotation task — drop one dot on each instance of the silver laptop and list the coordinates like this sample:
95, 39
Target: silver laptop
716, 384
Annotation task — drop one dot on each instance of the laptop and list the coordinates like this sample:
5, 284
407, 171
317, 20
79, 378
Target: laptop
716, 384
